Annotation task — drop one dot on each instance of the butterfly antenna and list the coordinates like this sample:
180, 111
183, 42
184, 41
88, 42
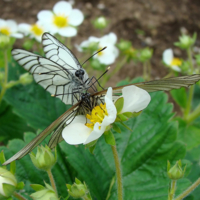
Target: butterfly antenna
94, 55
101, 75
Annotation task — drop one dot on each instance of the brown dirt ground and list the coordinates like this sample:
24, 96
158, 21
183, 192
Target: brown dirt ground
161, 22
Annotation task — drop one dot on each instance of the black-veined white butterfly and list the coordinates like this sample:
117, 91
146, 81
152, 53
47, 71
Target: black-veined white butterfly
87, 102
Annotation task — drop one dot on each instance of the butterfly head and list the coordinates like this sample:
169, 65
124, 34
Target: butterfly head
80, 74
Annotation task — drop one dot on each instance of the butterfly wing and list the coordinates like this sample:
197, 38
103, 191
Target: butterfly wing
50, 75
159, 85
59, 53
57, 125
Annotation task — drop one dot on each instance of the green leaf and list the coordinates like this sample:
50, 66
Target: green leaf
143, 153
188, 134
32, 102
11, 125
180, 96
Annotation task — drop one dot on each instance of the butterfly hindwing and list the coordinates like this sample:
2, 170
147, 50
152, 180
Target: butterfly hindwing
57, 125
158, 85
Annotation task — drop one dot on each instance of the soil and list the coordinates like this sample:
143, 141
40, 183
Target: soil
160, 21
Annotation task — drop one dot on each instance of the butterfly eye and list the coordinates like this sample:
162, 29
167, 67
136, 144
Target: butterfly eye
77, 73
82, 72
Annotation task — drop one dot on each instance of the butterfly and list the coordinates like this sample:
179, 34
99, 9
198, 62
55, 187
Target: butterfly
60, 72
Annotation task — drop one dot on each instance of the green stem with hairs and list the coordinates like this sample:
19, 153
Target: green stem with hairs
53, 184
189, 190
191, 90
3, 90
195, 114
172, 190
18, 196
118, 173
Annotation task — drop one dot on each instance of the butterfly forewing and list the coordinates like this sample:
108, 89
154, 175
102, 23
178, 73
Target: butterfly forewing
57, 125
59, 53
51, 76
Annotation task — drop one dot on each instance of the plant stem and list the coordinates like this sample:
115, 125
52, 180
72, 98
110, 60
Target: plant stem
189, 102
149, 69
145, 71
195, 114
172, 190
53, 184
116, 69
191, 90
5, 76
118, 173
189, 190
18, 196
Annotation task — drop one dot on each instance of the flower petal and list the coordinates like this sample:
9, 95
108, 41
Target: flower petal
24, 28
45, 16
135, 99
76, 17
17, 35
68, 32
95, 134
168, 56
12, 25
76, 132
2, 23
62, 8
111, 38
176, 68
106, 58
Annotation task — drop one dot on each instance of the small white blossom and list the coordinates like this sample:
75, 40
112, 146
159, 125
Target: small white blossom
108, 55
80, 132
62, 20
34, 31
171, 61
9, 28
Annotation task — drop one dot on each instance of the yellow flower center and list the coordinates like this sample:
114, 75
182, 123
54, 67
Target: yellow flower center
101, 52
97, 115
176, 61
60, 21
36, 30
5, 31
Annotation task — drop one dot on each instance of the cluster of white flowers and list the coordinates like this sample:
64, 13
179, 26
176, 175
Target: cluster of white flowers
102, 116
106, 56
63, 19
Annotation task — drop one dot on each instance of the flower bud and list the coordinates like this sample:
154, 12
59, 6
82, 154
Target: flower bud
25, 79
44, 158
185, 41
78, 189
100, 23
176, 171
8, 183
145, 54
4, 41
124, 45
43, 193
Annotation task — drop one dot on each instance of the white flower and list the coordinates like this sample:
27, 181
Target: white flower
171, 61
135, 99
62, 20
34, 31
9, 28
78, 132
108, 55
